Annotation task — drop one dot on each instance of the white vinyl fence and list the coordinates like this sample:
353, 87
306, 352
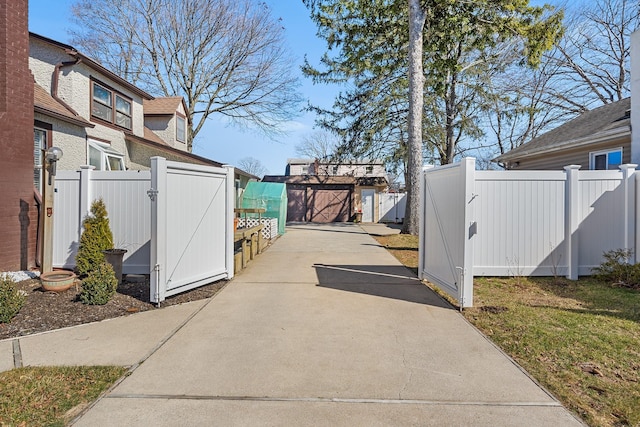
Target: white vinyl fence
175, 221
191, 226
522, 223
392, 207
128, 209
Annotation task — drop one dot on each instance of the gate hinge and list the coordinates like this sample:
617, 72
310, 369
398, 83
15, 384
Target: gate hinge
152, 193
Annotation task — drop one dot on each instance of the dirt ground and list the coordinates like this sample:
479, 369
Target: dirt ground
45, 311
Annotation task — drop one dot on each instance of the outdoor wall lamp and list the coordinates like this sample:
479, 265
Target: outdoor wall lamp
52, 155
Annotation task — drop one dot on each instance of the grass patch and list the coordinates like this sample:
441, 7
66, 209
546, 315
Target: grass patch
51, 396
580, 340
404, 247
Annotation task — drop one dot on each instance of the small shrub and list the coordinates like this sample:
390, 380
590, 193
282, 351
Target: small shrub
11, 299
99, 286
617, 269
96, 237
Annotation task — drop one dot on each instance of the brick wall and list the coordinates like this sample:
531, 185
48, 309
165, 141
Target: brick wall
18, 210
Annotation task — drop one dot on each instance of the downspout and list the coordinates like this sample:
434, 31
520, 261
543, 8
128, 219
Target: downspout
55, 79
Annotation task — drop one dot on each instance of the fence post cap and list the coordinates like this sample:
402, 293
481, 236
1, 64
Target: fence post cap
572, 167
628, 166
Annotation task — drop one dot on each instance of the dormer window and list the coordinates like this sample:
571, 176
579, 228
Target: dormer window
181, 129
103, 101
369, 170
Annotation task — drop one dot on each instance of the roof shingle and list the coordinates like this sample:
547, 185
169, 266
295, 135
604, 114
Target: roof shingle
606, 118
46, 104
167, 105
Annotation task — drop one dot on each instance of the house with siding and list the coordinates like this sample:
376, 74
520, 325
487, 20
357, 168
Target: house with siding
597, 139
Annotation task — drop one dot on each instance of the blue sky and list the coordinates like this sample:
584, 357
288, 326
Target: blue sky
217, 141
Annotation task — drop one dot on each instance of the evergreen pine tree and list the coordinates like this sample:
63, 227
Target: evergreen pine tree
96, 237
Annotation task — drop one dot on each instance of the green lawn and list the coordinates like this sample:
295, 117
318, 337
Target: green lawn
51, 396
580, 340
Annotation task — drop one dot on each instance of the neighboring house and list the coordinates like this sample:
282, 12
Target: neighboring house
597, 139
332, 192
100, 119
19, 207
356, 168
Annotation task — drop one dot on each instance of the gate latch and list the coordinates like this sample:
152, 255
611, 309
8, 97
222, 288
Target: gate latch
152, 193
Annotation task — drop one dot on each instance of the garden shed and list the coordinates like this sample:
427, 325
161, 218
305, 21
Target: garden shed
270, 196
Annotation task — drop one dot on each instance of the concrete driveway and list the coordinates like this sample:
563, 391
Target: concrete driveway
326, 328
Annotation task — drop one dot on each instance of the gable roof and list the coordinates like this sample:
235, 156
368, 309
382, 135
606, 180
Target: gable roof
163, 106
46, 104
596, 125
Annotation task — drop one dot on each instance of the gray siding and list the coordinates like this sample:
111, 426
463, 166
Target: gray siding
580, 156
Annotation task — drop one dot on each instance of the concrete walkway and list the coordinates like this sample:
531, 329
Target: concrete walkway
325, 328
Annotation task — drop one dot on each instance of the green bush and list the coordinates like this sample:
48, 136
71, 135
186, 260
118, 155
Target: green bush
11, 299
96, 237
617, 269
99, 286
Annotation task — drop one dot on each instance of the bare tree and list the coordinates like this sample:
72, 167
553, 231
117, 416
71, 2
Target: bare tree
592, 60
253, 166
224, 56
319, 145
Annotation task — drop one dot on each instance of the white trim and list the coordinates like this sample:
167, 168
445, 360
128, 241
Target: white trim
106, 153
593, 154
37, 164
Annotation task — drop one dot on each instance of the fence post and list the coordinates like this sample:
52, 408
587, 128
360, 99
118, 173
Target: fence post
629, 219
468, 169
421, 220
230, 215
572, 220
158, 195
86, 196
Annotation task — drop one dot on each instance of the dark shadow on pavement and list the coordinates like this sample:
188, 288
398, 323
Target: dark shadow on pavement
396, 282
334, 227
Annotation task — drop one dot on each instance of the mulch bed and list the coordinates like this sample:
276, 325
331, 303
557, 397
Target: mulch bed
46, 311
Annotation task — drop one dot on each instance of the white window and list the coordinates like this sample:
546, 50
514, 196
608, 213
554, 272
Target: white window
304, 169
335, 170
605, 160
105, 158
369, 170
181, 128
39, 144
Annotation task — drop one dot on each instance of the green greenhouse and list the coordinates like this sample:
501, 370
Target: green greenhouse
270, 196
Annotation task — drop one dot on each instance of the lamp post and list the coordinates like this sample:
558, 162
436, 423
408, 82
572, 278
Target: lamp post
50, 159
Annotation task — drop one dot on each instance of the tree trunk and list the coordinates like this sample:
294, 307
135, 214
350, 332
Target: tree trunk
416, 102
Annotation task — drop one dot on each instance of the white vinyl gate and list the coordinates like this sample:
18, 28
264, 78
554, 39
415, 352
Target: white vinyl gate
445, 231
183, 238
522, 223
392, 207
191, 226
